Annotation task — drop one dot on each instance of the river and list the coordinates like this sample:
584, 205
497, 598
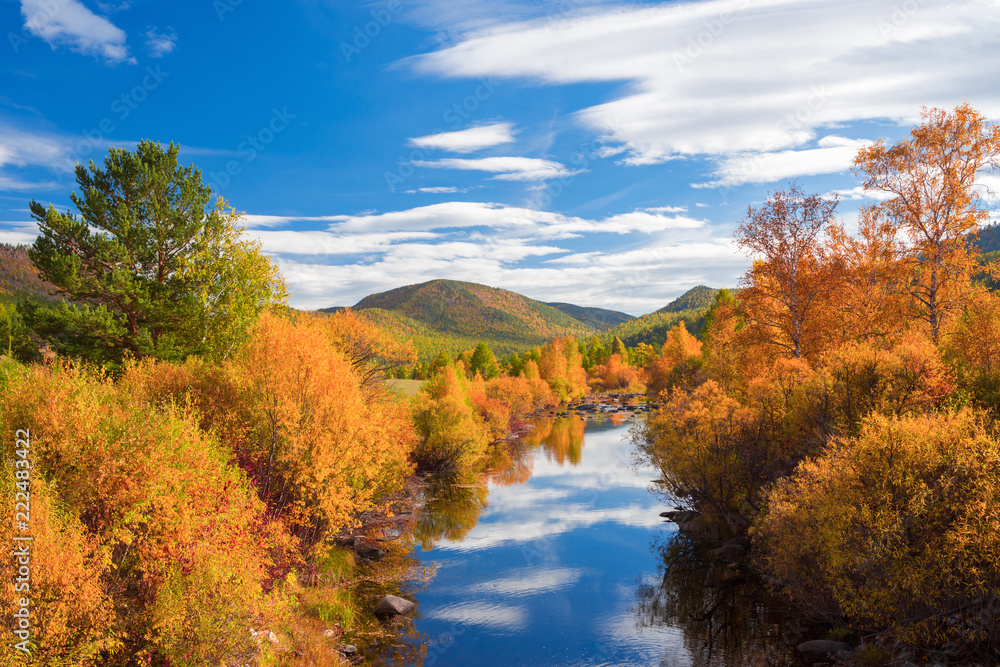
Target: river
560, 557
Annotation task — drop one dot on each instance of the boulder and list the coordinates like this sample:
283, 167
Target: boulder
823, 650
372, 553
392, 605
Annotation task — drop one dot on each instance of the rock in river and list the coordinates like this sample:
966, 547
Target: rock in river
391, 605
822, 649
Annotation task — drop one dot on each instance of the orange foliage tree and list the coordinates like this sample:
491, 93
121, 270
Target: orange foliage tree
561, 365
786, 294
678, 362
934, 203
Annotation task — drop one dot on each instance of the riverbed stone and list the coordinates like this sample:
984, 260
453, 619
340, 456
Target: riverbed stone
392, 605
822, 649
372, 553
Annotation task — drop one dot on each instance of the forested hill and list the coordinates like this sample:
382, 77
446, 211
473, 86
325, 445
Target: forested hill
697, 298
652, 329
989, 238
599, 318
453, 316
19, 278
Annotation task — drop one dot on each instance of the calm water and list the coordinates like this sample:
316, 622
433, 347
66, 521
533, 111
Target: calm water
549, 573
560, 558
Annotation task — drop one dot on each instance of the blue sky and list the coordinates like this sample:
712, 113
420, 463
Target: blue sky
592, 152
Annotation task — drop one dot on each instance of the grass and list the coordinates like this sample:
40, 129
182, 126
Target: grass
406, 387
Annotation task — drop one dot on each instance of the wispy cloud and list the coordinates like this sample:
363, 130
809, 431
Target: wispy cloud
467, 141
505, 168
834, 155
69, 23
517, 248
160, 44
437, 190
525, 222
714, 78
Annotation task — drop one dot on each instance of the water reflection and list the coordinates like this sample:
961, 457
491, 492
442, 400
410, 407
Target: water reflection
562, 439
543, 559
722, 613
453, 506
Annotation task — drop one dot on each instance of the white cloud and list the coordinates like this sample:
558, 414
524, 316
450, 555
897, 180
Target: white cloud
437, 190
858, 193
469, 140
18, 232
70, 23
326, 243
834, 155
529, 581
160, 44
506, 168
523, 221
492, 615
20, 149
988, 187
509, 247
731, 77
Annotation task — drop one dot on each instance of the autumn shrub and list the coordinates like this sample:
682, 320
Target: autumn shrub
148, 542
541, 393
303, 410
310, 434
71, 612
972, 345
907, 378
678, 363
561, 366
719, 453
898, 529
696, 440
450, 432
495, 411
517, 392
614, 376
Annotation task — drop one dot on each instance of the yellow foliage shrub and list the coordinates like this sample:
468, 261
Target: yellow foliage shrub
450, 432
561, 366
897, 528
149, 543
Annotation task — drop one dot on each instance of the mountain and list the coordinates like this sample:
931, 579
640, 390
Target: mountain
599, 318
653, 328
696, 298
452, 316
